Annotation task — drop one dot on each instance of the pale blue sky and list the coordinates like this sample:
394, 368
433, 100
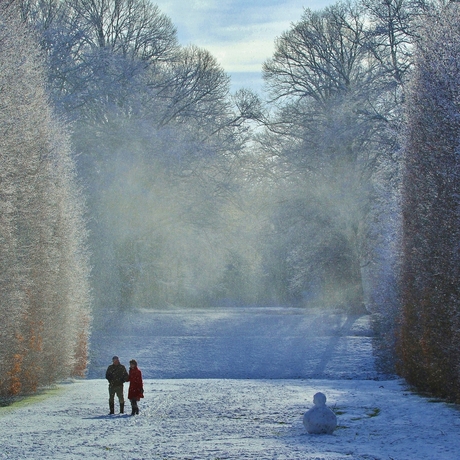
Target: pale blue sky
240, 34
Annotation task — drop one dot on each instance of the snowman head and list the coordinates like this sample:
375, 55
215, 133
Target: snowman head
319, 399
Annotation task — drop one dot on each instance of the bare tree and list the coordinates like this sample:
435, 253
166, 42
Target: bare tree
392, 33
320, 57
132, 28
194, 86
97, 49
324, 80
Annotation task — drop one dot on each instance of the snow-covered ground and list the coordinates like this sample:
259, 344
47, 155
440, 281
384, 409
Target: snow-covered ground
232, 419
228, 418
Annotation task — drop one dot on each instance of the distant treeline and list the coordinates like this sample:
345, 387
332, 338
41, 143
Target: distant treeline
336, 188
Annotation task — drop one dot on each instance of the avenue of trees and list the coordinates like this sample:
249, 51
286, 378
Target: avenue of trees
336, 189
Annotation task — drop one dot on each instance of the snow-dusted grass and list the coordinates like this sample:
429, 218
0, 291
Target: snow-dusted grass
227, 418
232, 419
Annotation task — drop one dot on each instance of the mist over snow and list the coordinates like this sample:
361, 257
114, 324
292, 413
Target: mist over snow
237, 343
255, 416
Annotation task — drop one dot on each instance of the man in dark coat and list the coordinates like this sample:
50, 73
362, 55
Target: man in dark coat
116, 374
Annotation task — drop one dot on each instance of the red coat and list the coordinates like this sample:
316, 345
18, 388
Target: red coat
136, 387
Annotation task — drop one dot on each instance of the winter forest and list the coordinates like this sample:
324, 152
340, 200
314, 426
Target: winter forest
132, 177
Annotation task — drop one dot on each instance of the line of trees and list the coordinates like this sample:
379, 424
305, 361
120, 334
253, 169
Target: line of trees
365, 132
44, 283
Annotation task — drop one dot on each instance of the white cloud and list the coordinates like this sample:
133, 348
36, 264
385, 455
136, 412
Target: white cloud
244, 48
243, 56
240, 34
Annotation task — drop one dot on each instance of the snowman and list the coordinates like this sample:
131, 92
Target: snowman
320, 419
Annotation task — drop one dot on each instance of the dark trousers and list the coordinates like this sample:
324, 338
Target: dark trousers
134, 406
116, 390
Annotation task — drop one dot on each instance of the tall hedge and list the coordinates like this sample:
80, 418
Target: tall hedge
429, 345
44, 271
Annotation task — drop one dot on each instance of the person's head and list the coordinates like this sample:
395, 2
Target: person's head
133, 363
115, 360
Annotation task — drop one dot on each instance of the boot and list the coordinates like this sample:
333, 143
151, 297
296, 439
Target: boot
112, 408
122, 408
133, 406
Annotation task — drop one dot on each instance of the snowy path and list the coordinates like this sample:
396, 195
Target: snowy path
232, 419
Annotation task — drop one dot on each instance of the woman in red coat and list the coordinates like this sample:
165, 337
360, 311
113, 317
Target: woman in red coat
136, 387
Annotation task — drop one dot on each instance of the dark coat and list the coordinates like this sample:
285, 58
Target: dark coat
136, 387
116, 374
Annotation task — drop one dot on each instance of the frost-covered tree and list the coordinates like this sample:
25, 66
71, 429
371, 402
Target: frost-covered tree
45, 299
429, 329
98, 51
324, 79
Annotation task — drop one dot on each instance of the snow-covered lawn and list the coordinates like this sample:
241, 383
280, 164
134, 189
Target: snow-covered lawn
229, 418
232, 419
